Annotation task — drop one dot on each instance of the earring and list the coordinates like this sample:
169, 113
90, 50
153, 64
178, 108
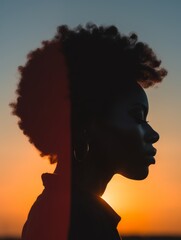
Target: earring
81, 147
81, 154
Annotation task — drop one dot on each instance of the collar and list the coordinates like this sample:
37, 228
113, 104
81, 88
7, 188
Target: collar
94, 203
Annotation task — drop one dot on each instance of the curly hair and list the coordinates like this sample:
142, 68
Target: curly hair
100, 62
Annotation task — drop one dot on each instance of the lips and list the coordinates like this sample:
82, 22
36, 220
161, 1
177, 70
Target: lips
150, 156
152, 152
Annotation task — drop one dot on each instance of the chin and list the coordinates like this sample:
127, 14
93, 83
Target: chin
137, 174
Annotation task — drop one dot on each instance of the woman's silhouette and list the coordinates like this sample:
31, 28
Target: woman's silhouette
81, 102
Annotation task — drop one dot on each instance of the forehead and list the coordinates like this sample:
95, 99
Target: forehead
133, 95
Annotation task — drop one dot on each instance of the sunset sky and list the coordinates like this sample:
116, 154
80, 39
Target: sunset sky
152, 206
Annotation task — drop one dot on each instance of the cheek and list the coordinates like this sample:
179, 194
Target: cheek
127, 150
120, 146
128, 154
130, 140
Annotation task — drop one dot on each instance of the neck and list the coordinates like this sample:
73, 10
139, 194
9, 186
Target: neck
89, 176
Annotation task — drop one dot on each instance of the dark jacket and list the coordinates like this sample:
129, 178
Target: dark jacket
91, 217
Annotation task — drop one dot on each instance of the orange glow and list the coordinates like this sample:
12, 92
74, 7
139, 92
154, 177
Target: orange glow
151, 206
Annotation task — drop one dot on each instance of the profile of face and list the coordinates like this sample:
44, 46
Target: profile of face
124, 140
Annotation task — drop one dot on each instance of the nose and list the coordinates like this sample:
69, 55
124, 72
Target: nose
152, 135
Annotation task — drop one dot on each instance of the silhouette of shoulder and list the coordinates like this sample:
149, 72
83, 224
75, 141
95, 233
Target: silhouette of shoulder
91, 216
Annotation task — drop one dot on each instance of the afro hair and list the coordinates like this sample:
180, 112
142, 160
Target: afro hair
100, 60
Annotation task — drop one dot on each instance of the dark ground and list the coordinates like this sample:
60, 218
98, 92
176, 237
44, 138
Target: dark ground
124, 238
152, 238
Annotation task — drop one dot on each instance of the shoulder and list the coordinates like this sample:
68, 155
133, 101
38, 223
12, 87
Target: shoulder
92, 218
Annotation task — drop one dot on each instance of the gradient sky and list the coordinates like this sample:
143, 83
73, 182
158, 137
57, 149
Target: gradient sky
152, 206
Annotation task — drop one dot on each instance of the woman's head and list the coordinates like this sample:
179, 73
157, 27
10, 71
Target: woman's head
101, 64
122, 141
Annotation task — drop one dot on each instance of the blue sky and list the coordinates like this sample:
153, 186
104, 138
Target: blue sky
24, 24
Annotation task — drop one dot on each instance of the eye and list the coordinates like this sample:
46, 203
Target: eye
142, 121
138, 115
